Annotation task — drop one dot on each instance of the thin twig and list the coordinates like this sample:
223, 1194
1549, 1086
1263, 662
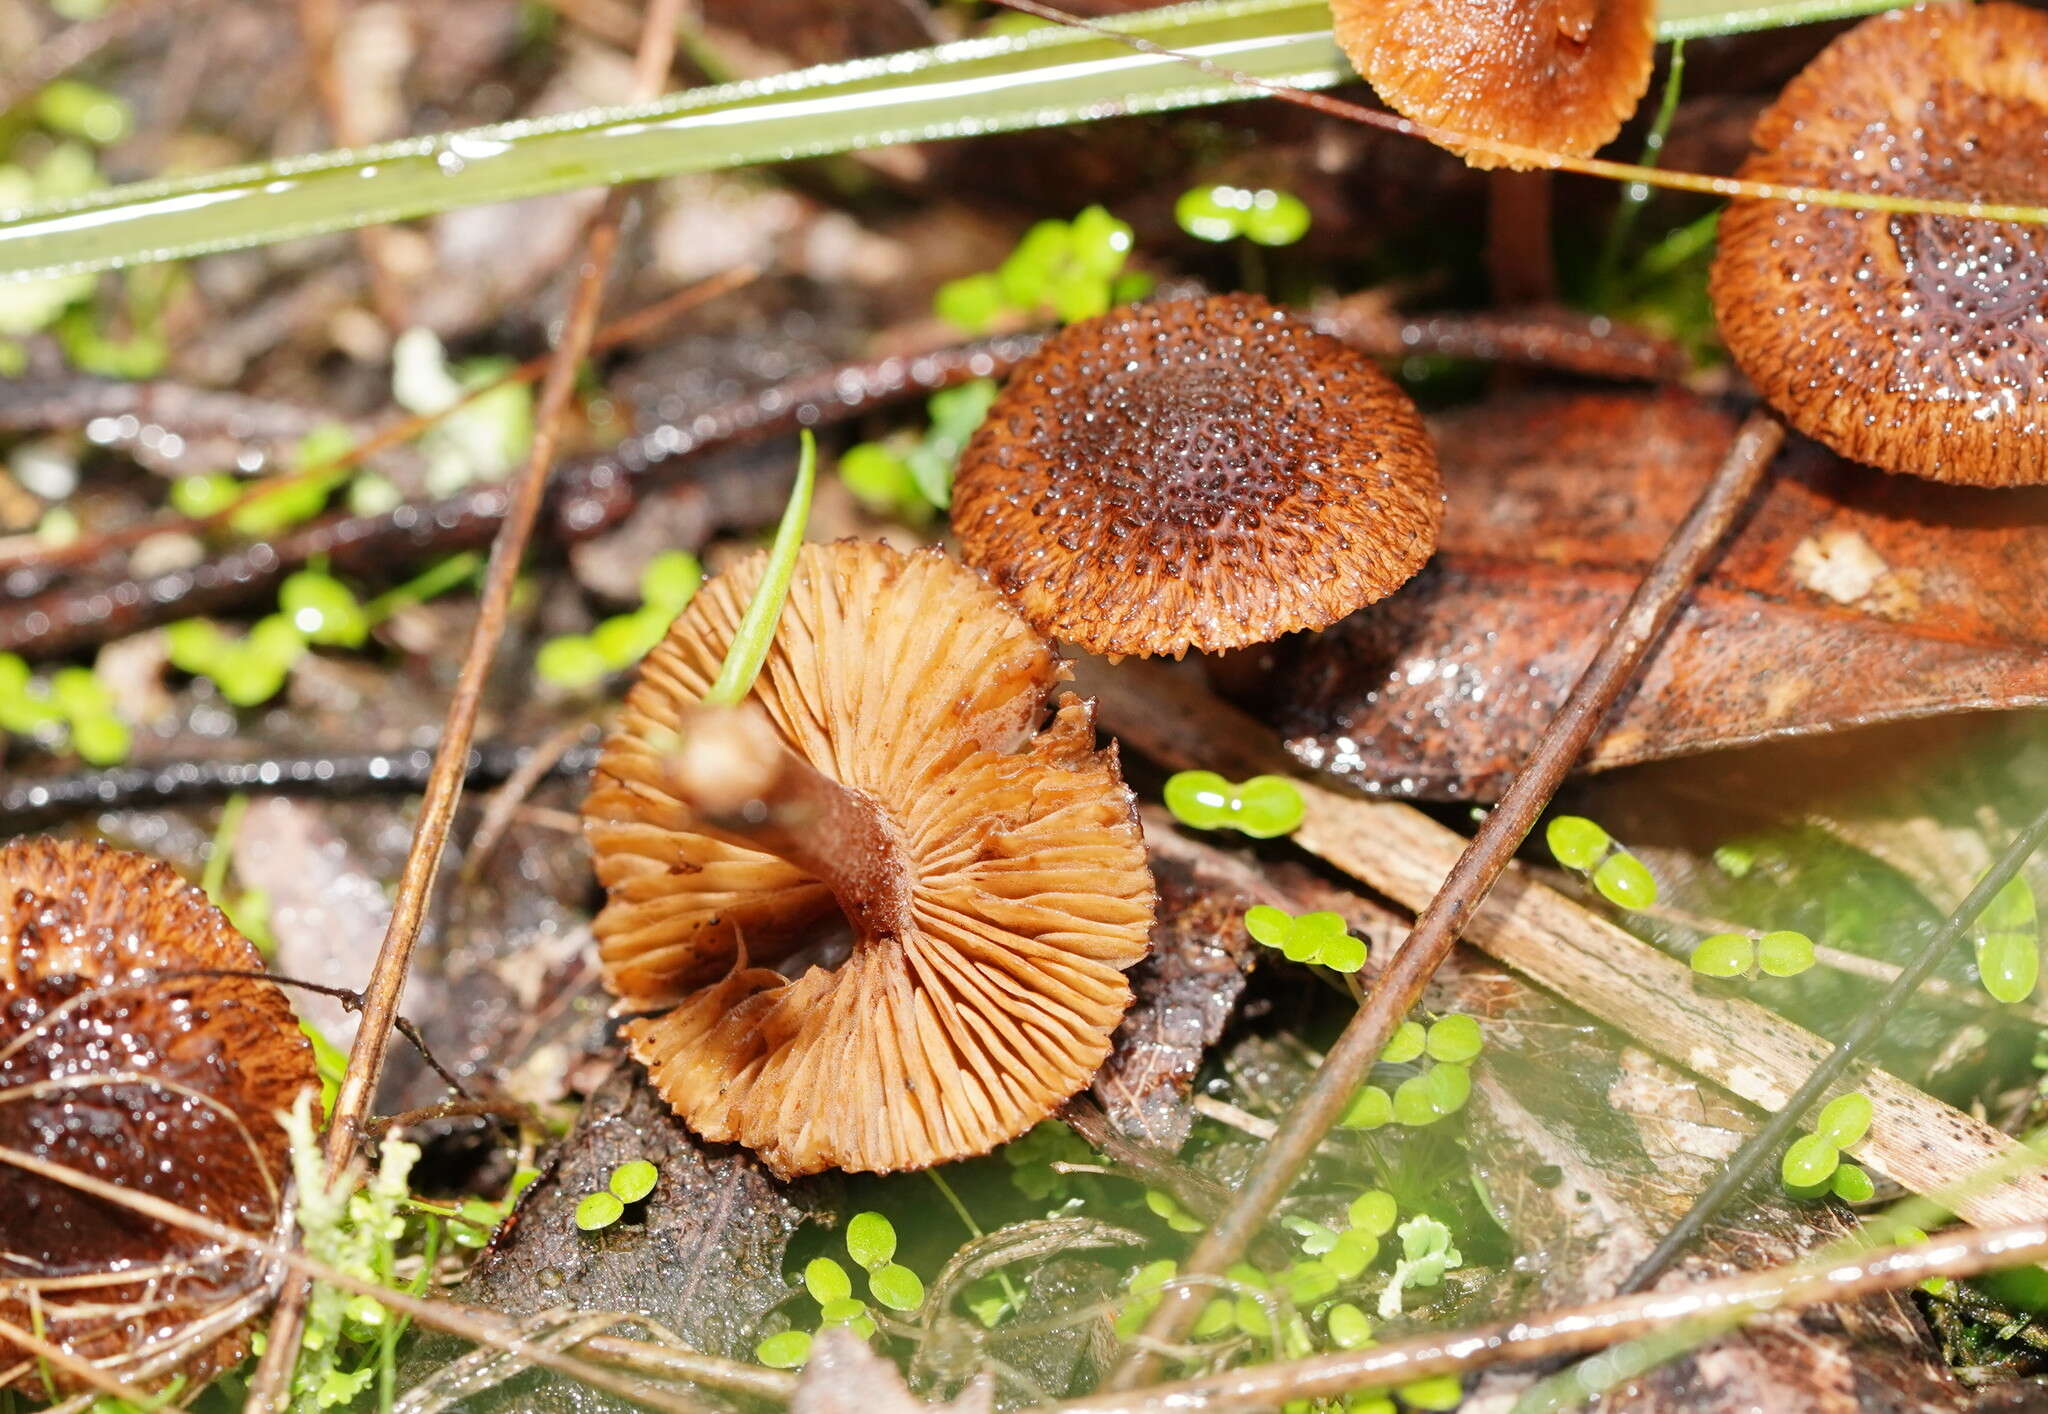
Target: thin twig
268, 1387
1592, 1327
1401, 982
1869, 1024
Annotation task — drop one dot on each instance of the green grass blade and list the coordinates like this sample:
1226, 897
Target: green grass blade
1040, 79
1045, 78
756, 633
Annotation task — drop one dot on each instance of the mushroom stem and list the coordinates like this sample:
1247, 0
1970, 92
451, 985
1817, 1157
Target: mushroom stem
749, 789
1519, 261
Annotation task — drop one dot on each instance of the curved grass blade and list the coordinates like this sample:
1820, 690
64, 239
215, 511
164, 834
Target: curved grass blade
751, 641
1043, 78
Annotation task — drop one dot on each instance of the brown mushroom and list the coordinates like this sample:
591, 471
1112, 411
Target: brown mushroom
1560, 76
1909, 342
1199, 473
167, 1086
885, 922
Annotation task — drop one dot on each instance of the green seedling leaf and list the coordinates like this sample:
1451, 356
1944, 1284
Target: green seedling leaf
1415, 1102
1852, 1185
1845, 1119
871, 1240
323, 610
1624, 881
598, 1211
1177, 1217
1810, 1161
1219, 1316
1576, 842
1784, 953
1276, 218
1724, 955
1371, 1108
1201, 800
1352, 1254
1406, 1044
1342, 954
1308, 1282
671, 580
1456, 1039
1209, 213
1450, 1086
756, 629
1268, 807
897, 1287
101, 738
1435, 1393
571, 661
787, 1351
633, 1180
1373, 1212
827, 1281
2007, 936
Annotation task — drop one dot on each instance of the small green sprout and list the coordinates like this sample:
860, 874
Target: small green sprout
1581, 845
71, 707
1783, 953
1373, 1212
1263, 807
871, 1240
2007, 937
1348, 1326
598, 1211
1371, 1108
1263, 216
1066, 269
785, 1351
1456, 1039
1166, 1206
1424, 1099
633, 1180
827, 1281
1426, 1255
1409, 1041
1142, 1295
756, 631
897, 1287
1813, 1163
1435, 1393
80, 110
914, 479
1319, 938
577, 660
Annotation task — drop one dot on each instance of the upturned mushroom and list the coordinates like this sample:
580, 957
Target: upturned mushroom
1197, 473
1915, 343
1561, 76
878, 918
165, 1085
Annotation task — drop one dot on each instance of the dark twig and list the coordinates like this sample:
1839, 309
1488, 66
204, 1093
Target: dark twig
268, 1387
1869, 1024
1557, 339
1400, 985
585, 500
27, 802
351, 1001
187, 412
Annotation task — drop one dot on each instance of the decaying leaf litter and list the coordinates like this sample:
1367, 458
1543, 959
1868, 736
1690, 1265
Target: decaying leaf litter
1518, 1146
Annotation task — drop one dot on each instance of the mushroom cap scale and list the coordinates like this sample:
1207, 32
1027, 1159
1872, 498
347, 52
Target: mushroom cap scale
947, 1028
1560, 76
167, 1086
1200, 473
1914, 343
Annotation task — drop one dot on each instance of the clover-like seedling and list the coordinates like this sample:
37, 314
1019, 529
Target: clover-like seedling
633, 1180
71, 707
1813, 1163
787, 1350
1585, 847
2007, 937
1263, 216
1263, 807
1782, 953
598, 1211
1067, 269
1319, 938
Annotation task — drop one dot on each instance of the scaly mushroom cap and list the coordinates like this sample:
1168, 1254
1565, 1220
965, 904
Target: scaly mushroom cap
963, 1015
1558, 75
1201, 473
165, 1086
1913, 343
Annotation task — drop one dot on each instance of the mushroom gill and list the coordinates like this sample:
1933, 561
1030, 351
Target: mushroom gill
892, 784
165, 1085
1199, 473
1561, 76
1914, 343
